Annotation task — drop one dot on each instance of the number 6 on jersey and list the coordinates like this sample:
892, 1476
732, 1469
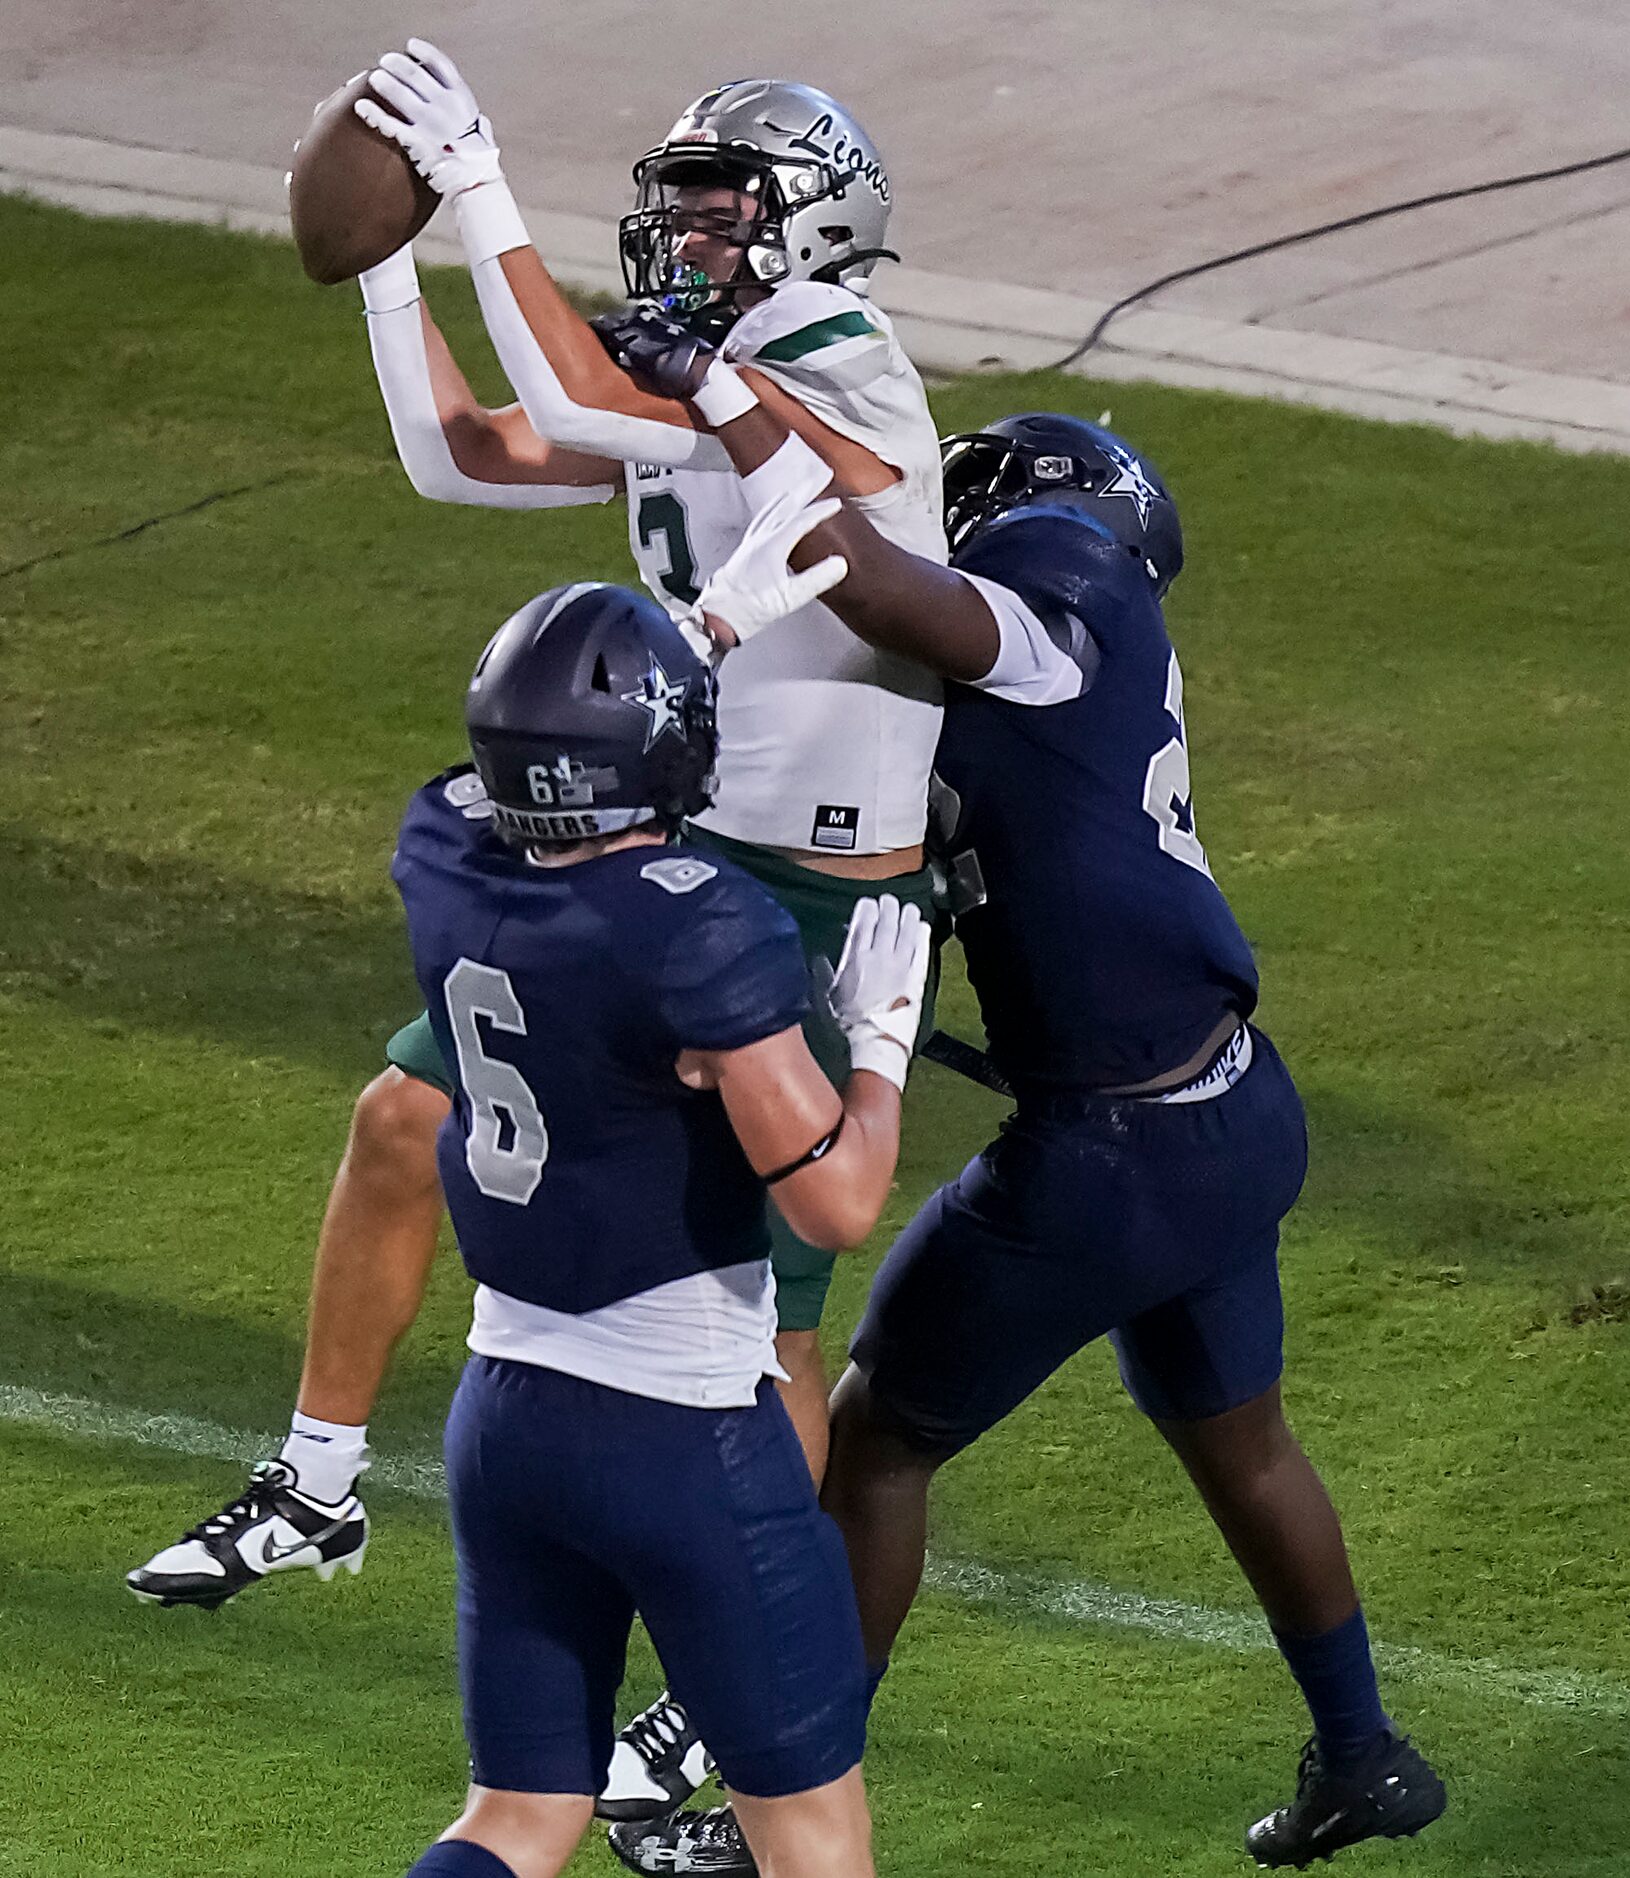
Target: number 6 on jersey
500, 1101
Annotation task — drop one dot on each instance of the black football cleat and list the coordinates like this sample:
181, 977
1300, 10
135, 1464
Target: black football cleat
707, 1843
1389, 1793
270, 1527
658, 1762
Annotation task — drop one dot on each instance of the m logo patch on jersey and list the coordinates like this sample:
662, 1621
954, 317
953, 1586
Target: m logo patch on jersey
836, 826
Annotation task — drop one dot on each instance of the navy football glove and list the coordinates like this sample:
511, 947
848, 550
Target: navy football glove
660, 354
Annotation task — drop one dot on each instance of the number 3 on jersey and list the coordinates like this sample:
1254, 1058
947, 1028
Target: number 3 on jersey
500, 1101
664, 514
1168, 796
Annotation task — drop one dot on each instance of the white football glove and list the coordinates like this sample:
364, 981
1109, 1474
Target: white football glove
877, 992
755, 587
437, 120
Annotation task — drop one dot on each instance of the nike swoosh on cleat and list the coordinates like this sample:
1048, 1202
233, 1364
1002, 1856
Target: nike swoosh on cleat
273, 1554
1335, 1819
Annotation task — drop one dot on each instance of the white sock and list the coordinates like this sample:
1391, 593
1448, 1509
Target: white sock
326, 1456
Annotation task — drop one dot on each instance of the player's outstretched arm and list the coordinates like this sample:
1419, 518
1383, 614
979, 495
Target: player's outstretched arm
889, 596
452, 447
571, 391
829, 1159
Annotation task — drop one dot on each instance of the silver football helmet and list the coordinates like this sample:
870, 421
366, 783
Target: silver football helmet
818, 189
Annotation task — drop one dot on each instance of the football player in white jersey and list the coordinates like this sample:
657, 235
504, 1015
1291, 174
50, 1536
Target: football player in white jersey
759, 217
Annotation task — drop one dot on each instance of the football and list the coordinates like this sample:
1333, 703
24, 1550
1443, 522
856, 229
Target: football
354, 198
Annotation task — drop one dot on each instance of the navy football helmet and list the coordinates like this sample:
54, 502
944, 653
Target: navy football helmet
588, 714
1044, 460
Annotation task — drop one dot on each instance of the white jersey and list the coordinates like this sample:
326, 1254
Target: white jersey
825, 744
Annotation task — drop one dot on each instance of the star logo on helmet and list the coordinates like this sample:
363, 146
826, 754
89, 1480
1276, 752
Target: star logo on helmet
659, 695
1130, 480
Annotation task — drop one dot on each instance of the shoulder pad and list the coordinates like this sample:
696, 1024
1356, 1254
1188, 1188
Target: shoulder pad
678, 873
443, 804
462, 789
716, 892
806, 326
447, 821
1055, 559
725, 959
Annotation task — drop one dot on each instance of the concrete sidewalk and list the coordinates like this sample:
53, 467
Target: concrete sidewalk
1048, 156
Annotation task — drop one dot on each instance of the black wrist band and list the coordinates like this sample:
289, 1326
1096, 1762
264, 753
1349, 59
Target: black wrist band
814, 1154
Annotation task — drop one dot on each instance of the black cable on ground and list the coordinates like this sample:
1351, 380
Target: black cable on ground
1331, 228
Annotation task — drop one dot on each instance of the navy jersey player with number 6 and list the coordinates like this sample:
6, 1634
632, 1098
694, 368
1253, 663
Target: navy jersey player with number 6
624, 1016
1157, 1139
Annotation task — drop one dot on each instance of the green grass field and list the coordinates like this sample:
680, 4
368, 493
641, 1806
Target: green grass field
1406, 666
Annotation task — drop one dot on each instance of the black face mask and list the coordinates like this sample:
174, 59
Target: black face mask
649, 238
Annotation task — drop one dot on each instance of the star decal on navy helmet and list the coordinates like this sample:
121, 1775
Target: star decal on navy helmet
1131, 481
659, 695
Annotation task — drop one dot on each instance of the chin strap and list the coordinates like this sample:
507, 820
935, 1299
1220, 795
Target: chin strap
831, 275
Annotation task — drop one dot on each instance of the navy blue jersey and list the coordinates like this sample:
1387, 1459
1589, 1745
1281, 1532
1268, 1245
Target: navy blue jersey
577, 1168
1104, 953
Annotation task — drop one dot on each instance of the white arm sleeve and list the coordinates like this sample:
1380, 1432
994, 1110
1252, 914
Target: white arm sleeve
1031, 667
553, 414
390, 293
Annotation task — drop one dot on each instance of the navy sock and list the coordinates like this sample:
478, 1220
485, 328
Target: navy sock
875, 1672
460, 1858
1337, 1677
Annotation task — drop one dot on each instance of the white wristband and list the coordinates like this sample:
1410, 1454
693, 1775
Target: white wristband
723, 395
393, 284
489, 223
882, 1055
794, 469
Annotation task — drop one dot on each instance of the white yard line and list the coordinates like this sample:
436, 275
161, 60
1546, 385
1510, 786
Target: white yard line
77, 1417
1070, 1601
1080, 1601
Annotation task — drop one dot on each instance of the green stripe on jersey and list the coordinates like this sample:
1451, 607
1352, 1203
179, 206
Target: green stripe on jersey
811, 338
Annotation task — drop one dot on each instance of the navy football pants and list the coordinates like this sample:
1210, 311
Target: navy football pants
1157, 1223
574, 1506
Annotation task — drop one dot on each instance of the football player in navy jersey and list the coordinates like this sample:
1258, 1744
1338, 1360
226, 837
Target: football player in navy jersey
1157, 1139
624, 1016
